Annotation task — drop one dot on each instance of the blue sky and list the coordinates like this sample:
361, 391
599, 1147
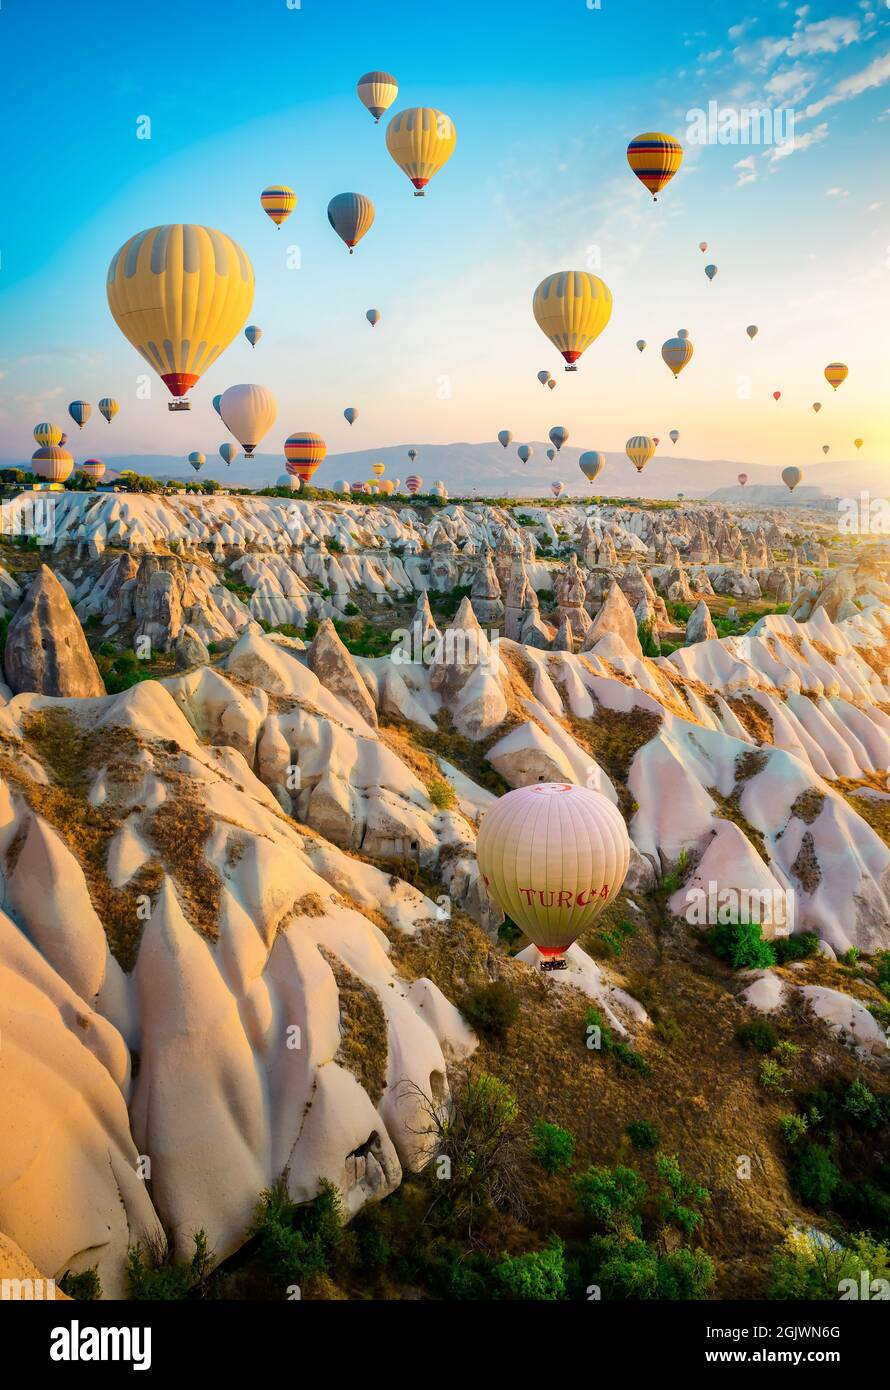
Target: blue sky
544, 99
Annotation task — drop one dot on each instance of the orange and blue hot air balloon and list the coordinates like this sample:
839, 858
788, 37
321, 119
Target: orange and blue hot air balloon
278, 202
654, 158
253, 334
304, 452
351, 216
836, 374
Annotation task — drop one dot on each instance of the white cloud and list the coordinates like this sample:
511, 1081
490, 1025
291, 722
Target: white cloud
837, 193
800, 142
791, 84
825, 36
875, 75
747, 171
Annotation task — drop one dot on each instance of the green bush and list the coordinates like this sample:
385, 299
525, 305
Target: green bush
741, 945
609, 1043
862, 1107
85, 1287
814, 1177
552, 1146
610, 1197
154, 1275
759, 1034
441, 793
642, 1135
634, 1270
772, 1076
793, 1127
539, 1275
492, 1009
788, 948
294, 1241
681, 1196
809, 1266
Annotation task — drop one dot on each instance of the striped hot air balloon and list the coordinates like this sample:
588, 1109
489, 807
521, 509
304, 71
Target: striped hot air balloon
304, 452
674, 436
377, 91
836, 374
592, 464
387, 487
413, 483
558, 436
253, 334
378, 469
179, 294
92, 468
677, 353
80, 412
421, 140
52, 463
197, 459
556, 489
278, 202
108, 408
358, 487
572, 308
654, 158
351, 215
640, 449
46, 434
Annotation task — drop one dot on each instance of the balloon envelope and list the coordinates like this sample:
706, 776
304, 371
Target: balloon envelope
674, 436
641, 344
109, 409
350, 414
179, 294
859, 443
553, 856
248, 411
421, 140
253, 334
556, 489
817, 406
677, 353
572, 308
197, 459
505, 438
227, 452
525, 452
47, 434
80, 412
413, 483
92, 468
592, 464
304, 452
836, 373
278, 202
752, 330
351, 215
710, 271
743, 478
52, 463
558, 436
373, 317
639, 449
791, 477
377, 91
654, 158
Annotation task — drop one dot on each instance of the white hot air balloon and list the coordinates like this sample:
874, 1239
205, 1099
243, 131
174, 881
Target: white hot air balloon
248, 412
553, 856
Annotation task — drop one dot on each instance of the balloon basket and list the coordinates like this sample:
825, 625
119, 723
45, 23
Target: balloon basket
559, 964
571, 367
419, 193
179, 405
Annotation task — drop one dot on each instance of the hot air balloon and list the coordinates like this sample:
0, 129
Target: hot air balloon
351, 215
551, 454
552, 383
777, 395
752, 330
358, 488
558, 436
702, 246
64, 440
396, 484
108, 408
304, 452
710, 271
825, 448
292, 483
92, 468
278, 202
340, 485
248, 412
504, 438
412, 454
552, 856
544, 376
592, 464
859, 443
677, 352
682, 332
742, 479
836, 374
791, 477
413, 483
228, 453
253, 334
674, 436
197, 459
80, 412
46, 434
215, 403
421, 140
378, 469
377, 91
179, 294
350, 415
52, 463
639, 449
641, 344
655, 440
373, 317
654, 158
525, 452
572, 308
556, 489
817, 406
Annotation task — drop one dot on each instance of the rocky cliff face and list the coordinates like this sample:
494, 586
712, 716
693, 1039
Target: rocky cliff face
46, 650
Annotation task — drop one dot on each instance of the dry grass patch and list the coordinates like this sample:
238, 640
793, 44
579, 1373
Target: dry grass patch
364, 1046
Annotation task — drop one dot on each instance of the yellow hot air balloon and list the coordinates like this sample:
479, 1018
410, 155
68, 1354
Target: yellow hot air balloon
421, 140
180, 294
836, 373
859, 443
552, 856
47, 434
378, 469
52, 463
640, 449
278, 202
572, 307
654, 158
